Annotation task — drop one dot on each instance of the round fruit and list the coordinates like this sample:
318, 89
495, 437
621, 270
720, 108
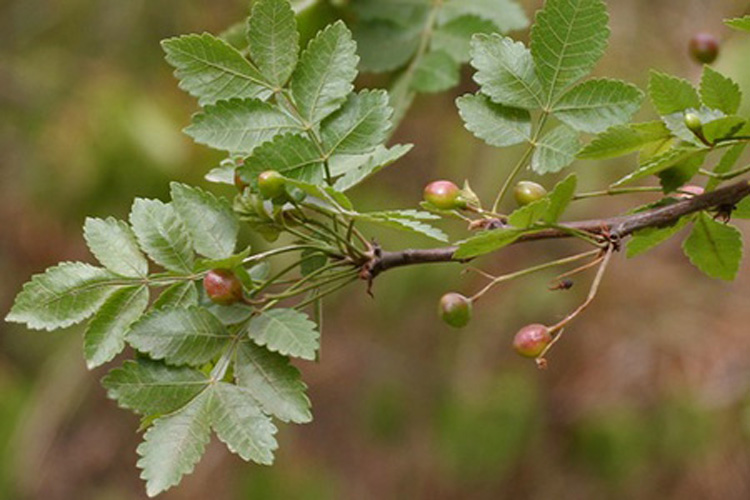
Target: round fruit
455, 309
693, 122
271, 184
527, 192
531, 340
444, 195
222, 286
704, 48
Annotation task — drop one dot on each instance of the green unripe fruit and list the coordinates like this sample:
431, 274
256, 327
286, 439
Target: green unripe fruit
704, 48
527, 192
455, 309
693, 122
531, 340
444, 195
222, 286
271, 184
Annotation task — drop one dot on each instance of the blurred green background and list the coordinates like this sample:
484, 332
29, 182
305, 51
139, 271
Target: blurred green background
647, 396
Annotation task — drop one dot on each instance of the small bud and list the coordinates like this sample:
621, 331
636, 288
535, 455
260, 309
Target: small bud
693, 122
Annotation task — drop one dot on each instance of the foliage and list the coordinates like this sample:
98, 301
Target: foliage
271, 105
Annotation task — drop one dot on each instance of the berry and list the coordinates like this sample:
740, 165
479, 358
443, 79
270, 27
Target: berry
704, 48
455, 309
531, 340
443, 195
222, 286
527, 192
693, 122
271, 184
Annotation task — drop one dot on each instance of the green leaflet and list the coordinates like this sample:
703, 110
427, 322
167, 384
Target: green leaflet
728, 160
212, 70
496, 124
178, 295
556, 150
209, 220
646, 239
454, 37
323, 78
670, 94
714, 248
105, 334
354, 169
405, 220
63, 295
240, 125
191, 336
567, 40
114, 245
560, 198
622, 140
739, 23
661, 162
595, 105
437, 71
505, 71
719, 92
162, 235
274, 383
526, 216
273, 40
285, 331
488, 242
359, 126
293, 156
152, 387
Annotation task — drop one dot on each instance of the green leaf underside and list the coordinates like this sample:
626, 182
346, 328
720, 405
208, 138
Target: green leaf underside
556, 150
488, 242
293, 156
719, 92
560, 197
676, 123
274, 383
567, 40
354, 169
209, 220
175, 443
323, 78
621, 140
595, 105
179, 295
360, 125
240, 125
646, 239
63, 295
190, 336
105, 335
152, 387
659, 163
212, 70
670, 94
714, 248
114, 245
162, 235
273, 40
505, 71
506, 15
496, 124
405, 220
286, 332
437, 71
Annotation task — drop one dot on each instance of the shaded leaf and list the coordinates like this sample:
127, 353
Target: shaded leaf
714, 248
496, 124
114, 245
437, 71
646, 239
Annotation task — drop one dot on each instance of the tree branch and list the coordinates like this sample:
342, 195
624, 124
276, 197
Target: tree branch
620, 226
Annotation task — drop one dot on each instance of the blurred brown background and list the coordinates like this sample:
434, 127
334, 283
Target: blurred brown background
647, 396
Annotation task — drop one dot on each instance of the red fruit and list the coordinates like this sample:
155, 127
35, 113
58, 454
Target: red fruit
704, 48
444, 195
531, 340
222, 286
455, 309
